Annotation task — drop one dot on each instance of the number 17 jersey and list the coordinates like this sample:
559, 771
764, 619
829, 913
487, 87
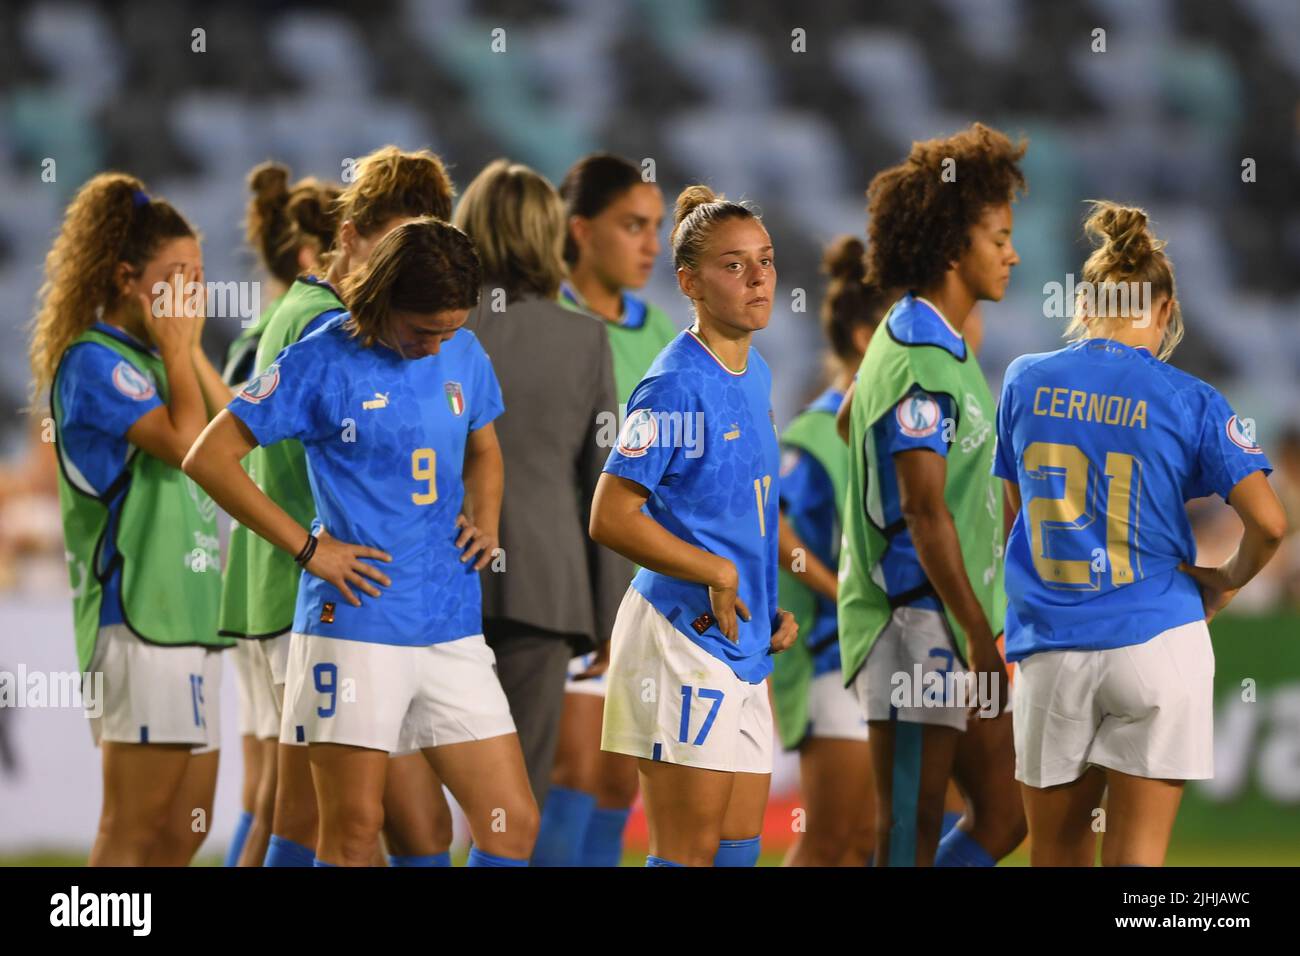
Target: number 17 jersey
701, 439
1107, 443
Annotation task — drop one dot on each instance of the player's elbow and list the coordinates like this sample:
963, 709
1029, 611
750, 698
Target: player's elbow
598, 526
192, 461
1271, 527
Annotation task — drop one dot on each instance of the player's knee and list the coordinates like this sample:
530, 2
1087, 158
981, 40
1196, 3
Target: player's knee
616, 790
355, 830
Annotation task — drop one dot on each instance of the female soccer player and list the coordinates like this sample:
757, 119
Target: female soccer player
116, 341
920, 596
1101, 443
815, 713
289, 227
389, 187
687, 693
614, 217
394, 406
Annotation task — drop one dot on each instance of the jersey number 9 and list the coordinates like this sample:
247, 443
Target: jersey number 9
1075, 511
424, 467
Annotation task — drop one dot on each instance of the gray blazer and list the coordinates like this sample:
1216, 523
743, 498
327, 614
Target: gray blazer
556, 373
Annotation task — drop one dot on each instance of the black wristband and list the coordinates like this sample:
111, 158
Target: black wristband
307, 551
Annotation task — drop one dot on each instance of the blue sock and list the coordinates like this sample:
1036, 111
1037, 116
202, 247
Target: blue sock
950, 819
603, 844
282, 852
959, 849
316, 862
737, 853
478, 858
565, 817
237, 841
433, 859
657, 861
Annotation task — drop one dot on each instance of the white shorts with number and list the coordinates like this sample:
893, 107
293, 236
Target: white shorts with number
914, 637
259, 700
669, 700
153, 694
592, 686
391, 697
833, 711
1145, 710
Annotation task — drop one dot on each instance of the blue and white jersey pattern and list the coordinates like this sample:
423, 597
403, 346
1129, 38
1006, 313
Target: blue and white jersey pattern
385, 440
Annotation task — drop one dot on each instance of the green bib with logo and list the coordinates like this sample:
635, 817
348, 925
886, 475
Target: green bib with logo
261, 581
812, 432
244, 348
633, 349
166, 537
889, 371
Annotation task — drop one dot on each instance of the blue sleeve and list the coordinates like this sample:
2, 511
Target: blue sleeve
317, 322
101, 391
285, 400
917, 421
805, 486
1004, 453
646, 452
1226, 449
486, 403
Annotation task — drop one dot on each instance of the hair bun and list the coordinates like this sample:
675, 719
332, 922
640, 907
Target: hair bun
690, 199
269, 182
1126, 241
845, 259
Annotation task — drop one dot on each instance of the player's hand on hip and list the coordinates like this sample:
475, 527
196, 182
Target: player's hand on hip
474, 541
599, 664
724, 598
341, 565
985, 659
1215, 593
786, 632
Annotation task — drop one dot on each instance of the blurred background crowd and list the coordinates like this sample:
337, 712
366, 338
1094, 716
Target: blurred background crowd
794, 107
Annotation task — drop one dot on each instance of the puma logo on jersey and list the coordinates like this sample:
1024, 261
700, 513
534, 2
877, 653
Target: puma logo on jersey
734, 433
379, 401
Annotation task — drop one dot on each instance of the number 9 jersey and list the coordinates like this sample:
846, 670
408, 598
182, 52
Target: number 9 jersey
1107, 443
385, 439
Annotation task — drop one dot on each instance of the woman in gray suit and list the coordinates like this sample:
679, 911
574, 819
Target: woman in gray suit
550, 592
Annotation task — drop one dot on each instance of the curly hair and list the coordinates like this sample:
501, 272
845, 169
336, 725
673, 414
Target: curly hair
282, 219
111, 220
424, 266
921, 211
390, 183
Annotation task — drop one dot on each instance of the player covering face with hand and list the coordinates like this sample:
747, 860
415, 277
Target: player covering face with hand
394, 404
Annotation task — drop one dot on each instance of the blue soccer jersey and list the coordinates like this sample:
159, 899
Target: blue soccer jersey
808, 501
101, 395
702, 440
917, 422
385, 440
1107, 443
